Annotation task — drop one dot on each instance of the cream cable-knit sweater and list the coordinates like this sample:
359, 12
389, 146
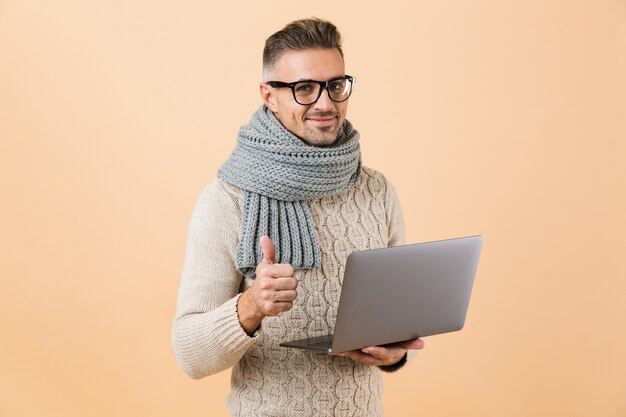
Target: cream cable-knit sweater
269, 380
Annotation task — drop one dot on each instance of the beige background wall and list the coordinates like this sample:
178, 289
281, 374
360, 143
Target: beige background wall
506, 118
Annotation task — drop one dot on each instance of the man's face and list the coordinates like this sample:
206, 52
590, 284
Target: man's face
318, 123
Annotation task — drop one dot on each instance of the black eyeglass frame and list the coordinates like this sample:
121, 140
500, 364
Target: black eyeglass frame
323, 86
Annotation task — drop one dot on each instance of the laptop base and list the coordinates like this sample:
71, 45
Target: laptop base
320, 343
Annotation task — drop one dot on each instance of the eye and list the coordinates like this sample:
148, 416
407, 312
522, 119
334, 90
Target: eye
337, 86
304, 88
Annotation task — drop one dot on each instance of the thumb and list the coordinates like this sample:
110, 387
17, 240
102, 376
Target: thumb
268, 249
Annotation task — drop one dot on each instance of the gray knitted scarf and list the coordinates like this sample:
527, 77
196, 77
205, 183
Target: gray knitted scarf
279, 174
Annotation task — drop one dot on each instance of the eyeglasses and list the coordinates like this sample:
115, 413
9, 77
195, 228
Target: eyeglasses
307, 92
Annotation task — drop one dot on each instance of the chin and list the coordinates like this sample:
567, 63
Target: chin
320, 138
318, 141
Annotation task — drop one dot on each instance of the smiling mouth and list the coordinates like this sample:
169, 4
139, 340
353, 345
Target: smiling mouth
322, 121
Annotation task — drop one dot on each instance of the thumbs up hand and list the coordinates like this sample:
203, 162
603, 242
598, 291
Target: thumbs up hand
273, 291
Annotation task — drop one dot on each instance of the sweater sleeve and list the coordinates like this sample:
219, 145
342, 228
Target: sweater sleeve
395, 217
206, 335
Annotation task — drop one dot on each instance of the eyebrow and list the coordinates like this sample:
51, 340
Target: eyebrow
311, 79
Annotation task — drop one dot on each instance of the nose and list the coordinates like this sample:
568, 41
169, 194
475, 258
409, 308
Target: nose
324, 102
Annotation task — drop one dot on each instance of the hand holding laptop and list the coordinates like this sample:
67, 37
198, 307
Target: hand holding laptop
400, 293
382, 355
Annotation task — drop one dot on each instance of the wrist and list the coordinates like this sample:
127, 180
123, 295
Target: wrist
395, 366
249, 315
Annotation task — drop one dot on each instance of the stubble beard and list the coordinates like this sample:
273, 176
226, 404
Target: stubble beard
322, 136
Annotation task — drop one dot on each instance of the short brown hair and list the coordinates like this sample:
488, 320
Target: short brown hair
300, 35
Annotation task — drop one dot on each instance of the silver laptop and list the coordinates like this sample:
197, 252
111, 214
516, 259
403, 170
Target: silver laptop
401, 293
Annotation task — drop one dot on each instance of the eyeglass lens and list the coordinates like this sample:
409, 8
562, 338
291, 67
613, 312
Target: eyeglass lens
308, 92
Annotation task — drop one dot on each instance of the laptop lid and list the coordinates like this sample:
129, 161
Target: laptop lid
401, 293
405, 292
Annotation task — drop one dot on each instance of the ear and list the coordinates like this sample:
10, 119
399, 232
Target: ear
268, 96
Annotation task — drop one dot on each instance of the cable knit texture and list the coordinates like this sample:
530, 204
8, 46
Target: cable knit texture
269, 380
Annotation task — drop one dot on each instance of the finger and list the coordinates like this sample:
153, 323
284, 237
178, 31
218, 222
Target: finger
285, 283
268, 249
272, 295
275, 271
358, 356
286, 295
384, 353
415, 344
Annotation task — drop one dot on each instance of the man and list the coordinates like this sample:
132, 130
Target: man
268, 242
